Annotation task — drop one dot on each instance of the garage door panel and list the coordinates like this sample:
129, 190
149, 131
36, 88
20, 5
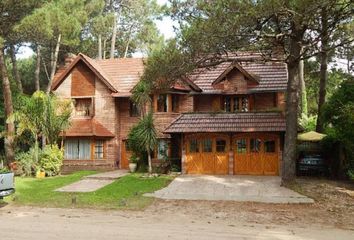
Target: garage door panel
193, 163
212, 157
241, 163
256, 154
221, 164
270, 164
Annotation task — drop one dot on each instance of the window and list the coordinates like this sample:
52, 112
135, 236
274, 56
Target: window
227, 104
235, 104
162, 149
162, 104
207, 145
241, 145
193, 146
175, 100
99, 149
77, 149
255, 145
220, 145
244, 104
83, 107
269, 146
134, 110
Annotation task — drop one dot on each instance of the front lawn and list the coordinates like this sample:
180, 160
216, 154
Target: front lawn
124, 193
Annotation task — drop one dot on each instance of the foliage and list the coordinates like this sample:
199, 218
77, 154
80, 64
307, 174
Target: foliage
27, 162
143, 137
51, 160
134, 158
338, 114
308, 123
4, 170
126, 193
42, 113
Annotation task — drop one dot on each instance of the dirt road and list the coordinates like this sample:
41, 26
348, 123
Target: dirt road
49, 223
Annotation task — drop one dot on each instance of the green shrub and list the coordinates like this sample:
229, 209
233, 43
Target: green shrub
4, 170
27, 164
51, 160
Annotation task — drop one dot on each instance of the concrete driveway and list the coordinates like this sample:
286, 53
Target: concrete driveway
230, 188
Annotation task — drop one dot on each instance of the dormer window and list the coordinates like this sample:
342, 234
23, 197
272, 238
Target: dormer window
235, 104
83, 107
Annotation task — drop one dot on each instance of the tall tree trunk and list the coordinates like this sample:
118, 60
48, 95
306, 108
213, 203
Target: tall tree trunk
292, 107
304, 111
38, 68
9, 126
15, 68
128, 42
104, 48
99, 47
149, 160
114, 36
54, 64
323, 69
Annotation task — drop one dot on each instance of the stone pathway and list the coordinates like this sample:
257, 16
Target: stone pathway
230, 188
93, 182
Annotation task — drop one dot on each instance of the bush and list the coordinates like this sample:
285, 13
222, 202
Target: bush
27, 164
51, 160
4, 170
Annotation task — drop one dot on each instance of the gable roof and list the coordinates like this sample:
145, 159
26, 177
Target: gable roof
237, 66
121, 75
94, 67
271, 76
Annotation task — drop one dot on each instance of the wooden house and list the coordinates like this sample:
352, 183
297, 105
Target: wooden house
227, 119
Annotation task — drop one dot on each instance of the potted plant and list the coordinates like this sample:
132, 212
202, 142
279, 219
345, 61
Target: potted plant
40, 173
133, 162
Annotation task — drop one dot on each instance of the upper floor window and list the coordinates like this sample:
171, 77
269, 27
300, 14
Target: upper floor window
134, 110
175, 100
162, 103
235, 104
83, 107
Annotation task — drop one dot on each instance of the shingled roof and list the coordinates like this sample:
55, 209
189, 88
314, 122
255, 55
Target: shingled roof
227, 122
87, 128
271, 76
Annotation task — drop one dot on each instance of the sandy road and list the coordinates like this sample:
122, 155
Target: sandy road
50, 223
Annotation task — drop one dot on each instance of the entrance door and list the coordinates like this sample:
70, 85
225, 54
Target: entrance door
125, 155
256, 154
207, 154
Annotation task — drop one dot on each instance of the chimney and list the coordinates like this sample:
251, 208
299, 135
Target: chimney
278, 52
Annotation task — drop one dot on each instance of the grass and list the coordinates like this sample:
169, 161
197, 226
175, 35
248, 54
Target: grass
125, 193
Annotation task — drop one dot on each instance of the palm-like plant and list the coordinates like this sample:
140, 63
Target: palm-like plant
42, 114
141, 96
144, 135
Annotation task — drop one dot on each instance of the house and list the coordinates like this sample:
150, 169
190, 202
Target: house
227, 119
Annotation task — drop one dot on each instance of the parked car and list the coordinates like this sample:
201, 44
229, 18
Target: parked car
312, 164
7, 183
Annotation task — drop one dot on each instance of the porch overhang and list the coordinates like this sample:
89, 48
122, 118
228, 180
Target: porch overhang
87, 128
228, 122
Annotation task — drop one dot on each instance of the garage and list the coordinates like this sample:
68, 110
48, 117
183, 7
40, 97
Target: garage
207, 154
256, 154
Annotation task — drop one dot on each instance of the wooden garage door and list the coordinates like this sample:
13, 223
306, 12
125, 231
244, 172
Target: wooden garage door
207, 154
256, 154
